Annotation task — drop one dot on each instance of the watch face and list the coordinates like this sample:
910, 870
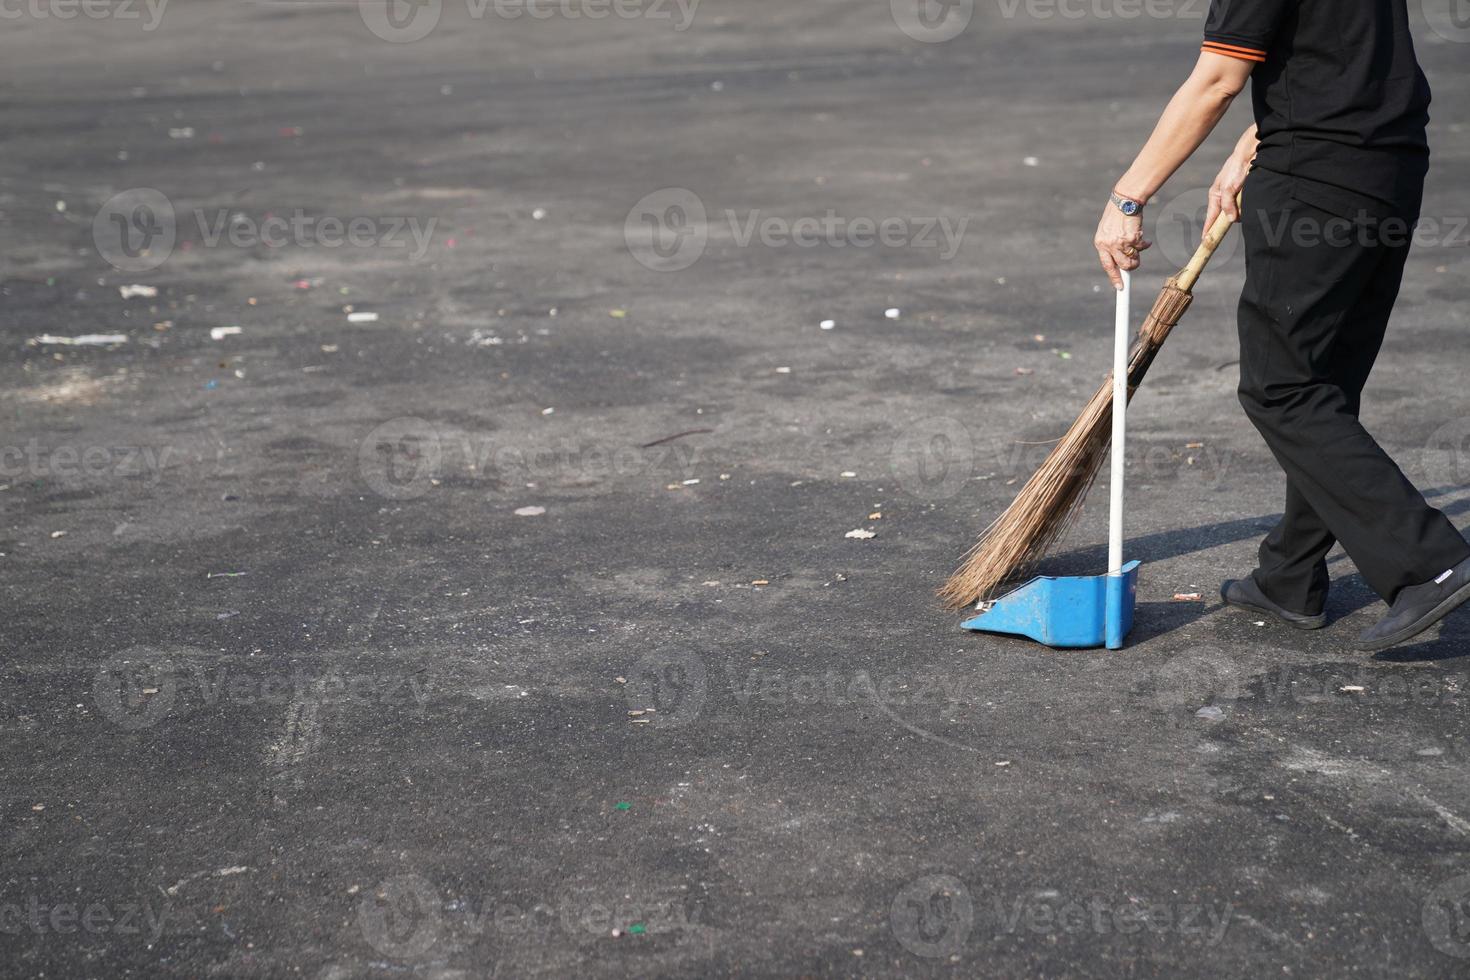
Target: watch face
1130, 208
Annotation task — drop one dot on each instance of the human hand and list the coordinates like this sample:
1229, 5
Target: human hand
1119, 240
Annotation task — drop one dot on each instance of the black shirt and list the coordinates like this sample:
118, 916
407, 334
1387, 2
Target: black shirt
1338, 94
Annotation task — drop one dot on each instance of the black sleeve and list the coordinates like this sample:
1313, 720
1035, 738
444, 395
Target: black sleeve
1243, 28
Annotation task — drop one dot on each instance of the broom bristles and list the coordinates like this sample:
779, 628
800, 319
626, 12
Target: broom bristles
1042, 511
1049, 502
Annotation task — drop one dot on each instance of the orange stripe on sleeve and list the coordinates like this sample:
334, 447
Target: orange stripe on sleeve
1234, 51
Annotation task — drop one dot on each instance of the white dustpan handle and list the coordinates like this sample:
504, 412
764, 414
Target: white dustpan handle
1120, 409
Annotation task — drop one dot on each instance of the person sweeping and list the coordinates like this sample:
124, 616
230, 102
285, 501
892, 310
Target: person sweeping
1332, 176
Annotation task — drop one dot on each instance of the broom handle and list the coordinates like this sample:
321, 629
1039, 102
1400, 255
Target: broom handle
1120, 408
1186, 277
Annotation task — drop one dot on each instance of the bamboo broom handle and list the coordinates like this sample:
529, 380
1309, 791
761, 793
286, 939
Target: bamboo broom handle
1186, 277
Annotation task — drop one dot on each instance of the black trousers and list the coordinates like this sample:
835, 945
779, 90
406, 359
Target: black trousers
1319, 288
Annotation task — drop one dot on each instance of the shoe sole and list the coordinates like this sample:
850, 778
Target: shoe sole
1305, 623
1449, 605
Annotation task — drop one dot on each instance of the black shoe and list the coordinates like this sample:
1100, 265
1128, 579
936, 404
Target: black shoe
1417, 608
1246, 594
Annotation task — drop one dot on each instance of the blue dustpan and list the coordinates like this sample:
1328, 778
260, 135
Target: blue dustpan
1086, 610
1073, 611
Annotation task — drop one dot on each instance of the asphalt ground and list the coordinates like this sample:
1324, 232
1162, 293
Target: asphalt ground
376, 637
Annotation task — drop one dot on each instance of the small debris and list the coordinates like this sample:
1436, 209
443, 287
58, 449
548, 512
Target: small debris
146, 292
876, 515
532, 511
1030, 161
848, 474
623, 806
363, 317
1194, 445
537, 214
860, 534
827, 324
58, 534
220, 333
618, 314
1210, 713
892, 313
638, 928
691, 483
761, 581
548, 411
1025, 371
783, 370
181, 133
225, 574
1005, 762
1187, 597
1351, 688
620, 680
85, 340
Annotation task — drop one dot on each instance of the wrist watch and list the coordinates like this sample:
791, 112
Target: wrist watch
1128, 207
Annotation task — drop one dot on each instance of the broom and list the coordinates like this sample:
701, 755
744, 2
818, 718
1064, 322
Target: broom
1049, 501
